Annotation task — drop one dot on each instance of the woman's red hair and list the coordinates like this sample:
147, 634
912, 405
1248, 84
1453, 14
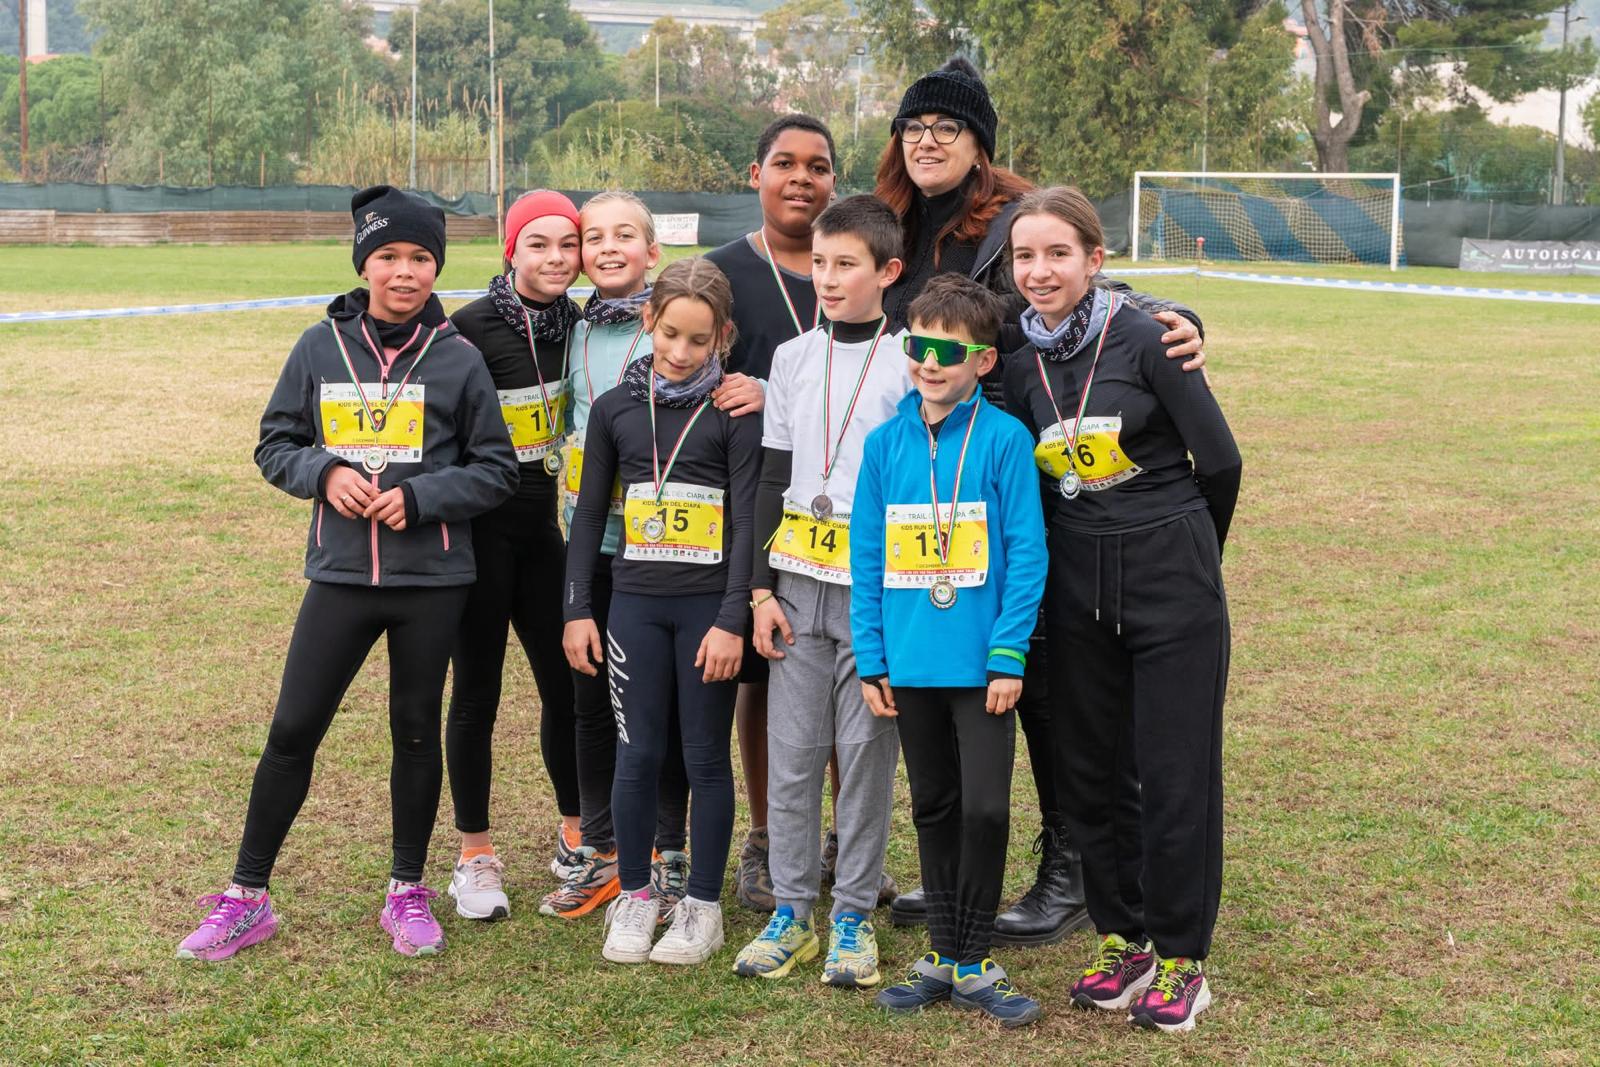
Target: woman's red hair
989, 188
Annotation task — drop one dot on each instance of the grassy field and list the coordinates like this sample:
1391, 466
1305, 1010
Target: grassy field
1413, 738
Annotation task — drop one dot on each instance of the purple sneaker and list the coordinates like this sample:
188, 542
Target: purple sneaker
408, 919
232, 924
1178, 994
1118, 975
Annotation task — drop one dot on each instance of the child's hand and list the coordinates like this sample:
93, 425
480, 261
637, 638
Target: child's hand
880, 699
389, 508
740, 394
1003, 695
580, 640
347, 491
720, 653
769, 616
1184, 337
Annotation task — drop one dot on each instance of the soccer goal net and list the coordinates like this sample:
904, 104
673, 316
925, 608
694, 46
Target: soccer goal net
1304, 218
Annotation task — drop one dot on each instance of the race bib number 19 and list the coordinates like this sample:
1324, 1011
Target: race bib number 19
347, 429
1098, 457
911, 546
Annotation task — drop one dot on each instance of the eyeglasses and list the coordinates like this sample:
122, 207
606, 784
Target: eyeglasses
944, 130
946, 351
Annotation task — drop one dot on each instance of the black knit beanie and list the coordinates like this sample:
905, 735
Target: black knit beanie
384, 214
955, 89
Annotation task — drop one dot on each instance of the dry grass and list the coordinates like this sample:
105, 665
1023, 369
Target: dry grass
1413, 749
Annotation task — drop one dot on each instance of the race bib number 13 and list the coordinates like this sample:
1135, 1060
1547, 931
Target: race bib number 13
911, 546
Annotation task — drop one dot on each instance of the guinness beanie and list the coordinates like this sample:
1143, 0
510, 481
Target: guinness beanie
384, 214
955, 89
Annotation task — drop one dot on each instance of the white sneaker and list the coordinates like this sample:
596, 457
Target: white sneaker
694, 936
630, 924
479, 887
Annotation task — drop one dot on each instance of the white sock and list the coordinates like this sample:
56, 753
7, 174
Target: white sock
239, 892
397, 886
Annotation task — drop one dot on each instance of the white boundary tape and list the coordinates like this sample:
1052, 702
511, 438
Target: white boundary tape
229, 305
1415, 289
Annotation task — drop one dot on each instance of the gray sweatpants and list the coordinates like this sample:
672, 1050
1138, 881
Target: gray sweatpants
814, 708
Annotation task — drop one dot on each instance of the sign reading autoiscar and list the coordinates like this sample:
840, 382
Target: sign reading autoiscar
1531, 257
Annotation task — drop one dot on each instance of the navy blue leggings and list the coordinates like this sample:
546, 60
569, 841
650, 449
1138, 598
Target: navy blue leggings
651, 643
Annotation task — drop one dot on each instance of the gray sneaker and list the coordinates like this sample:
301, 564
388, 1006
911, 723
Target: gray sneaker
669, 881
753, 880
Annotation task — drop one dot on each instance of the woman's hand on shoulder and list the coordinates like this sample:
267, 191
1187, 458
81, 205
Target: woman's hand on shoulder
1183, 339
739, 394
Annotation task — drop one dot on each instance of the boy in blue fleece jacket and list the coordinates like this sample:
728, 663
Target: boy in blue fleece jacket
947, 562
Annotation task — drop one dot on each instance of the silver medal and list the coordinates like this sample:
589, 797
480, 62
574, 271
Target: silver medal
1071, 484
552, 463
943, 594
654, 530
822, 507
374, 461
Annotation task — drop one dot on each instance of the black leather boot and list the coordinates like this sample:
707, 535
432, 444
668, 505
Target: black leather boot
1053, 908
909, 909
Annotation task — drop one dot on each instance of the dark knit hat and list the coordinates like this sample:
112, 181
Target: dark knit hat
955, 89
384, 214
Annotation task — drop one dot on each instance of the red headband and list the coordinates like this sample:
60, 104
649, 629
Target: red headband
536, 205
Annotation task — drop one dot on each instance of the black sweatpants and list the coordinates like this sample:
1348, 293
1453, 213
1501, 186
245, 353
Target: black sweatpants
1034, 715
1140, 625
958, 760
651, 642
597, 750
336, 628
521, 570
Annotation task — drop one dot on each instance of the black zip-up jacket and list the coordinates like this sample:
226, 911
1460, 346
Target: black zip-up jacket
511, 366
721, 452
467, 465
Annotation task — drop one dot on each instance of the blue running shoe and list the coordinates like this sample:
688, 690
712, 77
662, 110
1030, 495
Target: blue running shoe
930, 982
991, 992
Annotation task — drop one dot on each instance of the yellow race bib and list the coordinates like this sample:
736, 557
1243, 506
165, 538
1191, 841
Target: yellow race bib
572, 479
684, 526
347, 430
817, 548
911, 546
1098, 457
533, 434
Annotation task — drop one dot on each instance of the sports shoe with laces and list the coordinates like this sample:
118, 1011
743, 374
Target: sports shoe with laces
566, 857
694, 936
669, 880
233, 923
630, 927
1116, 976
479, 888
852, 953
593, 881
753, 878
784, 944
931, 980
408, 919
991, 992
1177, 995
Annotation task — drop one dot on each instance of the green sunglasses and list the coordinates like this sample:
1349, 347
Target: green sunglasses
947, 352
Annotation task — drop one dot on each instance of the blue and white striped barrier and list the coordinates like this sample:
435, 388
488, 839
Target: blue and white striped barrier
227, 305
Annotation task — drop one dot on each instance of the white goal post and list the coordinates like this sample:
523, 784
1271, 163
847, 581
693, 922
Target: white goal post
1264, 215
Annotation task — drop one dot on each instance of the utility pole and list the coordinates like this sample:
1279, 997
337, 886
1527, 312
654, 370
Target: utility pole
22, 77
413, 177
494, 115
861, 56
1558, 194
657, 38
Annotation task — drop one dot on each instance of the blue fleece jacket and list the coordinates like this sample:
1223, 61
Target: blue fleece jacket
899, 632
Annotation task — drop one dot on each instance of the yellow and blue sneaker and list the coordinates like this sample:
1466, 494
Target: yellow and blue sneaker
986, 988
785, 942
852, 953
930, 981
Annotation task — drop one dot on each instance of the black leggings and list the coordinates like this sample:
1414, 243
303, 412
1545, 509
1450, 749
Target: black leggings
651, 642
597, 750
521, 568
958, 760
336, 628
1033, 712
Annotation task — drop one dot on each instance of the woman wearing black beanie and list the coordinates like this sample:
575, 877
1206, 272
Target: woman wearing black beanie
955, 206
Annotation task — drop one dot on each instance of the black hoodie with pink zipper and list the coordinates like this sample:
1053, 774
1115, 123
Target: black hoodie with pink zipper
447, 446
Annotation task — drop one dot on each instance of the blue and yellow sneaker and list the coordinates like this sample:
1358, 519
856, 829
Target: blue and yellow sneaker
989, 991
931, 981
852, 953
785, 942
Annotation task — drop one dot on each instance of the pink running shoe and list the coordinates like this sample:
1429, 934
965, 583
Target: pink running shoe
232, 924
408, 919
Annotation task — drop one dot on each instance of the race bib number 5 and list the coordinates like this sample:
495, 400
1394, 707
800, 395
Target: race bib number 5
818, 548
534, 434
911, 546
347, 429
684, 526
1098, 457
